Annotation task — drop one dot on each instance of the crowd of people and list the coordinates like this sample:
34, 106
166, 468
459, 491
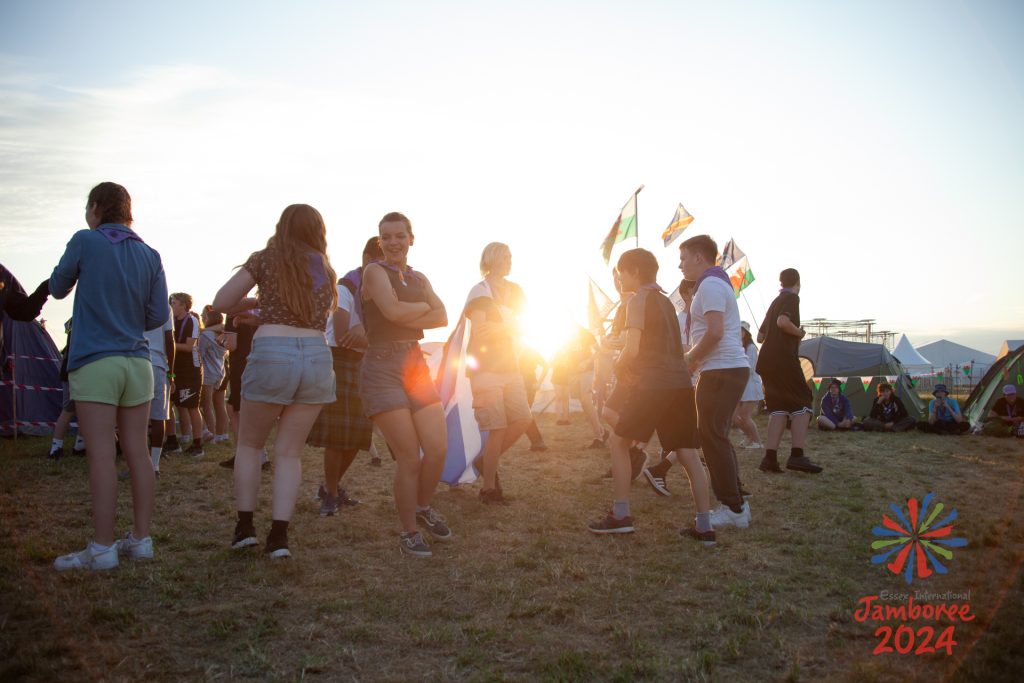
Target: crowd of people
328, 361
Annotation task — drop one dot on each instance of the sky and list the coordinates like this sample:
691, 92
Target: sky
875, 146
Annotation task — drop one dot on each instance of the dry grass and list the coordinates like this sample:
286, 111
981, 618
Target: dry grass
524, 592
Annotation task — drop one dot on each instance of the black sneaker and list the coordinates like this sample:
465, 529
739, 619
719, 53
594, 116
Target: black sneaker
637, 460
435, 523
706, 538
769, 465
244, 537
413, 544
328, 505
611, 525
493, 497
228, 464
538, 447
55, 454
375, 462
171, 445
265, 466
656, 478
345, 500
195, 450
596, 443
80, 452
803, 464
277, 547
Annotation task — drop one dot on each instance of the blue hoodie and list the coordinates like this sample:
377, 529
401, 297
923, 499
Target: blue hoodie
122, 292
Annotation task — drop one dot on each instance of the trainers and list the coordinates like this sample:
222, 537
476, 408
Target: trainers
803, 464
611, 525
207, 437
493, 497
724, 516
195, 450
245, 536
657, 481
135, 548
435, 523
328, 505
769, 465
596, 443
538, 447
228, 464
171, 445
277, 548
55, 454
345, 500
94, 557
751, 445
637, 461
413, 544
265, 466
80, 452
321, 492
375, 462
706, 538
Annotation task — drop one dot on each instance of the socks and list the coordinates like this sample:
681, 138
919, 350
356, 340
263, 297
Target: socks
57, 444
79, 443
796, 452
154, 454
620, 509
771, 454
278, 531
245, 518
703, 521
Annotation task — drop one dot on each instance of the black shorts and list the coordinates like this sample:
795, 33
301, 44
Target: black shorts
672, 413
186, 392
787, 392
235, 384
617, 398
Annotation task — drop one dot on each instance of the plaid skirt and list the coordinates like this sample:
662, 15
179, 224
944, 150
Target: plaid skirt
342, 425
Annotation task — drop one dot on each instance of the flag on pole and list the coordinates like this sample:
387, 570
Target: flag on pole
740, 275
599, 305
624, 228
465, 441
730, 254
679, 223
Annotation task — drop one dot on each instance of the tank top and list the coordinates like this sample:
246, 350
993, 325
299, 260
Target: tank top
408, 288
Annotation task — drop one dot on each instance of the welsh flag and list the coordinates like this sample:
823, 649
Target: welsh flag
740, 275
679, 223
624, 228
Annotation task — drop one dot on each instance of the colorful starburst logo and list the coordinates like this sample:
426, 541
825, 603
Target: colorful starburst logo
916, 541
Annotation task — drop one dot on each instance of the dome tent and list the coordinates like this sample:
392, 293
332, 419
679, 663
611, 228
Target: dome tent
1009, 369
31, 393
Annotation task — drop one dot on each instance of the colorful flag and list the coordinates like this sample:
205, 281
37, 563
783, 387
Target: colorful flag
842, 382
624, 228
679, 223
730, 254
866, 381
599, 305
817, 382
465, 441
740, 275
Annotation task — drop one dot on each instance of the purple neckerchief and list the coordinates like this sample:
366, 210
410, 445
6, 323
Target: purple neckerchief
714, 271
786, 289
652, 285
356, 278
117, 233
316, 270
402, 273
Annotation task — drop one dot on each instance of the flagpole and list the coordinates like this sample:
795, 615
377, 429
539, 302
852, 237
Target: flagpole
636, 200
756, 326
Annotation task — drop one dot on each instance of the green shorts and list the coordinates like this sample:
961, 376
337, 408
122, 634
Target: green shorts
115, 380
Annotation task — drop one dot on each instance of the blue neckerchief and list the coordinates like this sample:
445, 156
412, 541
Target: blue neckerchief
714, 271
117, 233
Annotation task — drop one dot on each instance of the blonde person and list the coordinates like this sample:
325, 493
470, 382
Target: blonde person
499, 394
752, 394
121, 293
288, 376
395, 384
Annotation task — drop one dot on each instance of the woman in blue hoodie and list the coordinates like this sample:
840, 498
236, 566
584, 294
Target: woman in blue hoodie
122, 292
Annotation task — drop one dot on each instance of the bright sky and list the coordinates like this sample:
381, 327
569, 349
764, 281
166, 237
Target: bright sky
875, 146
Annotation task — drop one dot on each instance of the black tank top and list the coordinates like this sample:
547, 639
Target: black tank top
409, 289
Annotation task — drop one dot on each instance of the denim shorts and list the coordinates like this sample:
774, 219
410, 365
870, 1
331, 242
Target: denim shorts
393, 376
287, 370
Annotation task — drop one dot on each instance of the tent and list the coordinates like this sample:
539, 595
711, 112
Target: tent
1010, 345
861, 367
30, 389
944, 354
1009, 369
913, 361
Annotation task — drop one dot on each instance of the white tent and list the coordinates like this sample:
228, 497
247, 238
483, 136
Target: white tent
1010, 345
947, 354
909, 357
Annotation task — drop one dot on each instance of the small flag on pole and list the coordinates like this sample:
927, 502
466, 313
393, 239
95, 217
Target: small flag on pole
730, 254
624, 228
599, 305
740, 275
679, 223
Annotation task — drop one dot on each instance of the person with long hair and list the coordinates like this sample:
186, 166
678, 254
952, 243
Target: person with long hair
753, 394
288, 376
122, 293
395, 384
499, 395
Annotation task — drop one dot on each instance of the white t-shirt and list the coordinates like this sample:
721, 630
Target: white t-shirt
157, 355
346, 302
715, 294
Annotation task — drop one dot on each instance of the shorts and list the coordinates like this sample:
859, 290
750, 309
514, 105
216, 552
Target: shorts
394, 376
343, 425
66, 404
114, 380
617, 399
160, 406
672, 413
187, 391
287, 370
787, 392
499, 399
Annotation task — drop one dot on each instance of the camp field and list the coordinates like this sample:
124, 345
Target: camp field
524, 592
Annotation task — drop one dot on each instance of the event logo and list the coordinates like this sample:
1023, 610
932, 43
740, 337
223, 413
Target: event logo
915, 539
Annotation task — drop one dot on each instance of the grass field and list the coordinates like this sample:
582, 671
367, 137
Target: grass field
524, 592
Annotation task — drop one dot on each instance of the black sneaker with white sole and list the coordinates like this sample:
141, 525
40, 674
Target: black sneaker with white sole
656, 478
435, 523
244, 537
412, 543
611, 525
277, 547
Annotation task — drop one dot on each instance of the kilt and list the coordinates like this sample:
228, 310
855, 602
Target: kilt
343, 425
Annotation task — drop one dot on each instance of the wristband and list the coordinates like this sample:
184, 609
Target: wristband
170, 375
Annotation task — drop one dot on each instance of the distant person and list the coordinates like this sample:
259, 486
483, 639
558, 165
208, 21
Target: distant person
288, 376
752, 396
1007, 415
121, 292
212, 354
67, 410
188, 375
836, 410
395, 384
161, 358
787, 396
530, 362
239, 331
14, 302
888, 414
944, 416
573, 375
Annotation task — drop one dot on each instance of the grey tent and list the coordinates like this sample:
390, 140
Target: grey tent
837, 358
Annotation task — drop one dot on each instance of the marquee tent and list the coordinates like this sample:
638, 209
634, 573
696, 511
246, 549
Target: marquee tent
907, 355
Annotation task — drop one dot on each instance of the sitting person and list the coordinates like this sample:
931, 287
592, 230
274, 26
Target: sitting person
1007, 415
836, 411
944, 416
888, 414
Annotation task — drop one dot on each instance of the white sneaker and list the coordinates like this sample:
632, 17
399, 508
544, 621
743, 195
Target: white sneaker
94, 556
751, 445
135, 548
723, 516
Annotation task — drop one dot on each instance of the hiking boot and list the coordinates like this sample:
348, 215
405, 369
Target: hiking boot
706, 538
803, 464
611, 525
724, 516
769, 464
656, 478
345, 500
228, 464
94, 557
328, 505
195, 450
244, 537
171, 445
412, 543
637, 460
538, 447
492, 497
435, 523
135, 548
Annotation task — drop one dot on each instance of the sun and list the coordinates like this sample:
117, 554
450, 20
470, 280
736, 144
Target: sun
547, 329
